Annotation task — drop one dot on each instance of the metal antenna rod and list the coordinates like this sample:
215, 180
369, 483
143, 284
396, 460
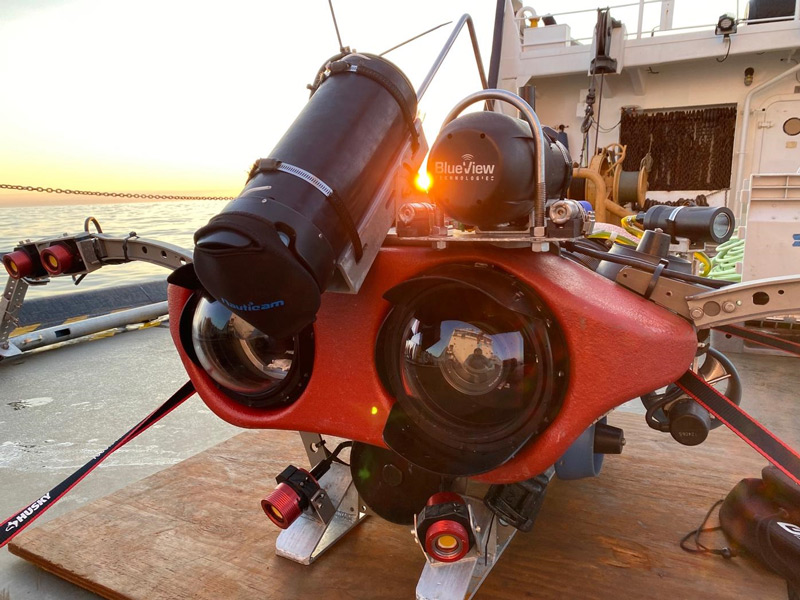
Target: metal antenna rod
336, 26
416, 37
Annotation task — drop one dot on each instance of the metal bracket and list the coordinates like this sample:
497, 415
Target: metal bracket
669, 293
461, 580
96, 250
114, 250
708, 308
742, 301
309, 536
315, 447
10, 304
376, 222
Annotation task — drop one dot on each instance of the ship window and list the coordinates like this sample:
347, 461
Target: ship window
791, 126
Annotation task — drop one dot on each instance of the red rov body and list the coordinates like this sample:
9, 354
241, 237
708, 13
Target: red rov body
604, 325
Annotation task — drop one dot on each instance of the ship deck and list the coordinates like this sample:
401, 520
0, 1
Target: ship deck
147, 525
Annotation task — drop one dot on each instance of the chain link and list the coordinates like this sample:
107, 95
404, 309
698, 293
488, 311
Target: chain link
49, 190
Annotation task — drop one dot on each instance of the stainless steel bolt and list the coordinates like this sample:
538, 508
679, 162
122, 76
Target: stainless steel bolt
696, 313
728, 307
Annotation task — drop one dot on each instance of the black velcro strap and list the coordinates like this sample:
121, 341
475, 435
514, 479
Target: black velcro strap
764, 339
342, 66
742, 424
11, 527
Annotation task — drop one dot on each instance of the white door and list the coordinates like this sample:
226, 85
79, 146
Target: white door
780, 140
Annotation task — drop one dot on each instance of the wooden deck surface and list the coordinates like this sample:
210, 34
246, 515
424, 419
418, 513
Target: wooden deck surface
196, 530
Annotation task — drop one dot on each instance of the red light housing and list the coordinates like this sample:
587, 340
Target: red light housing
57, 259
446, 540
18, 264
282, 506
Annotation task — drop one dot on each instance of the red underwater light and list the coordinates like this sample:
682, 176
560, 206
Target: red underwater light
293, 495
282, 506
18, 264
57, 259
445, 533
447, 541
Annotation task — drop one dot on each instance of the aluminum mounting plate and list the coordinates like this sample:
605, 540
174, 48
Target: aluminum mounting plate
308, 537
461, 580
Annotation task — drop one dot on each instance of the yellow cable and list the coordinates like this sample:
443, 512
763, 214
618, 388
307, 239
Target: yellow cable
629, 226
606, 235
703, 259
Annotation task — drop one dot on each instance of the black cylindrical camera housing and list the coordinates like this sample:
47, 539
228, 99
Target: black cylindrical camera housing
483, 168
271, 252
698, 223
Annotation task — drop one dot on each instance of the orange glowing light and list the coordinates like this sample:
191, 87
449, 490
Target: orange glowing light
423, 181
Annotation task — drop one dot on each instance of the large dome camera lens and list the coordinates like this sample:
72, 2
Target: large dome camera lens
254, 368
477, 365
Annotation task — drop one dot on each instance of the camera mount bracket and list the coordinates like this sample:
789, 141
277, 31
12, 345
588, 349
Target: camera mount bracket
708, 308
462, 579
309, 536
96, 250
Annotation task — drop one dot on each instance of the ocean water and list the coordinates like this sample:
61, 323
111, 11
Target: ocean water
173, 222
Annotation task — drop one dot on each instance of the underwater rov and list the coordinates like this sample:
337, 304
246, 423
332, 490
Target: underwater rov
454, 366
456, 354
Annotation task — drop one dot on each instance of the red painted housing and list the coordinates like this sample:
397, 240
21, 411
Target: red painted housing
607, 329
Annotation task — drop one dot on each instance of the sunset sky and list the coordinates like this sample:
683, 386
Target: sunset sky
168, 96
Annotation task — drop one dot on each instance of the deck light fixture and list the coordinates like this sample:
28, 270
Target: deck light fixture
726, 25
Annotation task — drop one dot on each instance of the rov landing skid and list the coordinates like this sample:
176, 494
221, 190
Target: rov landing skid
337, 508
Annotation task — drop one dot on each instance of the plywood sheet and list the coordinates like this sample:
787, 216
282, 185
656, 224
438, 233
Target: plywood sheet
196, 530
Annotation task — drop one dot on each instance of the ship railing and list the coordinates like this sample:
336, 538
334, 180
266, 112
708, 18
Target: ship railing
665, 24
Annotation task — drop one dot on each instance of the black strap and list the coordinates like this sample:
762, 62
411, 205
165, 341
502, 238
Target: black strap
11, 527
662, 264
764, 339
268, 165
342, 66
742, 424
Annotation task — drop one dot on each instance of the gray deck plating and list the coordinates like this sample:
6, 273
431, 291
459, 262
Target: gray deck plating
58, 408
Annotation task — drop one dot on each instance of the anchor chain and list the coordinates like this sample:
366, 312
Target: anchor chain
50, 190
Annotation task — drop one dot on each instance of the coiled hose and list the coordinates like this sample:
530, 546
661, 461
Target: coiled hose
723, 265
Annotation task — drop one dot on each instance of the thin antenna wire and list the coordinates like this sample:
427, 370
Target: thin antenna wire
336, 26
416, 37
